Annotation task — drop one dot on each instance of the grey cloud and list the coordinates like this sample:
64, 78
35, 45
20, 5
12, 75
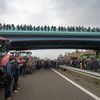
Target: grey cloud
3, 6
53, 54
91, 15
52, 12
79, 12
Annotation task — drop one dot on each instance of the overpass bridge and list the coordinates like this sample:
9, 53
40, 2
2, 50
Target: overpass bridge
22, 40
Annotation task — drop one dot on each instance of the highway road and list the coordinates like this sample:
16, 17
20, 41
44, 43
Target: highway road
49, 85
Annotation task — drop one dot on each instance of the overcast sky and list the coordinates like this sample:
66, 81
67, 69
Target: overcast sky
51, 12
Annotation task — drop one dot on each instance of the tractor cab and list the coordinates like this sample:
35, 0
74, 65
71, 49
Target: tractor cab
4, 57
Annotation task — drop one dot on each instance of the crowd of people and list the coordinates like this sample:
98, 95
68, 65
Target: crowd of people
14, 69
48, 28
90, 64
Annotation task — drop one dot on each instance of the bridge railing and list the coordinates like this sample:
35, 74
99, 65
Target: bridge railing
12, 27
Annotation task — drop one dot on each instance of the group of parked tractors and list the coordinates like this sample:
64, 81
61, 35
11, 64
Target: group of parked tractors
21, 56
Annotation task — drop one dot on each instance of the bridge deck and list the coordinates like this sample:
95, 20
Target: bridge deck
7, 32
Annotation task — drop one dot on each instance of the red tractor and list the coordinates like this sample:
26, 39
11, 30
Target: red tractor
25, 54
24, 58
4, 57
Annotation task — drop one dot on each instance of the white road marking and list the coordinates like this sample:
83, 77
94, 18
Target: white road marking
80, 87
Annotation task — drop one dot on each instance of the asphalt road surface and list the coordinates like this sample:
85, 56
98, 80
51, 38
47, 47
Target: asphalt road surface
47, 85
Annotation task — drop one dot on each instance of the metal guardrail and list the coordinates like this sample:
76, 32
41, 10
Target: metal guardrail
82, 71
